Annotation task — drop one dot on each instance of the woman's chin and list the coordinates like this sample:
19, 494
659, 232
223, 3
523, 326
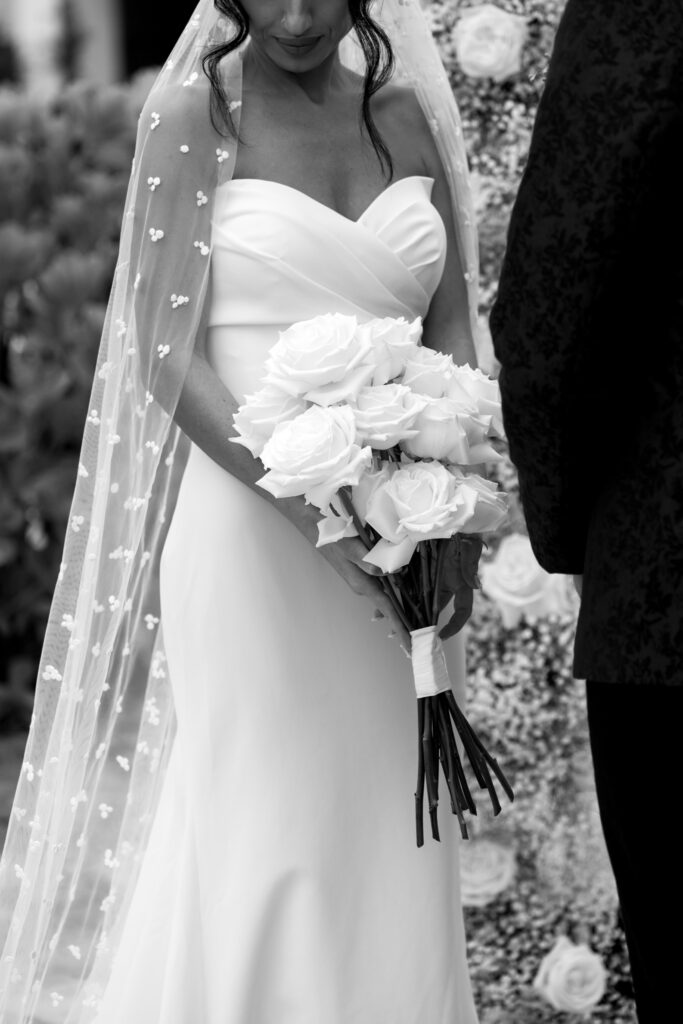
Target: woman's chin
298, 59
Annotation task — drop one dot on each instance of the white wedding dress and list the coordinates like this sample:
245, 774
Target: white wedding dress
282, 882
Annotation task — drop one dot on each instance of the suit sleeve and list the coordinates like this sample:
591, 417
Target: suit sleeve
609, 95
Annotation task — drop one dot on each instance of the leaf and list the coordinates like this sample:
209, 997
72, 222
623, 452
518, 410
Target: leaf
471, 546
451, 575
462, 609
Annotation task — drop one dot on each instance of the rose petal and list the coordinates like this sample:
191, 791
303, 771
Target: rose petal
322, 494
391, 557
333, 528
342, 391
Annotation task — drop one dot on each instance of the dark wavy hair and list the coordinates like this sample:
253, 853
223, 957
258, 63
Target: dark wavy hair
379, 62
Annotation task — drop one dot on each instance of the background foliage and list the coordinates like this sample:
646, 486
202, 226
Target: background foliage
63, 175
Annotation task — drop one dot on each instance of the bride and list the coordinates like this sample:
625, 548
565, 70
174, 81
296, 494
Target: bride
214, 818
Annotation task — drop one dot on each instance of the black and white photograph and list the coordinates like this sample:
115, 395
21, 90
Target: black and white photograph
341, 511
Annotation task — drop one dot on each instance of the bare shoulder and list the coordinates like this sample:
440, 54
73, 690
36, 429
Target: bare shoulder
177, 106
400, 115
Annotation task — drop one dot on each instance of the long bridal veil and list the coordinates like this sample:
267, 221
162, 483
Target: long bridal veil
103, 721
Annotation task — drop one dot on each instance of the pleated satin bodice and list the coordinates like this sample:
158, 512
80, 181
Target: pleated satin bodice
280, 256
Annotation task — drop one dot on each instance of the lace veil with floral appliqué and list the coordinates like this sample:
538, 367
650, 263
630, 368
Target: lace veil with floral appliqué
103, 722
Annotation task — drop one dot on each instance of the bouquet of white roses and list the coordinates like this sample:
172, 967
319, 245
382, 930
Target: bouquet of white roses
381, 434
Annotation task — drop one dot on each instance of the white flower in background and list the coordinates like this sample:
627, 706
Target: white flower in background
325, 359
487, 868
519, 586
483, 188
427, 372
472, 387
445, 432
386, 414
489, 41
256, 420
314, 454
394, 341
571, 977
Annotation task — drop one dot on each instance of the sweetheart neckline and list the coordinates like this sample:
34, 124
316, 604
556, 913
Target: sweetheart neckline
330, 209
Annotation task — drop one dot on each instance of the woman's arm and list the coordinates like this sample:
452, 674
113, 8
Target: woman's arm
447, 325
205, 413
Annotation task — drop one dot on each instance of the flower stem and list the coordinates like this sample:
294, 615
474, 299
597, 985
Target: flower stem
426, 582
419, 792
406, 597
440, 560
431, 766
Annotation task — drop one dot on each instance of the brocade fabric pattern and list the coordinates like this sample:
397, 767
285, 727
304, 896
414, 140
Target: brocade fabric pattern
588, 327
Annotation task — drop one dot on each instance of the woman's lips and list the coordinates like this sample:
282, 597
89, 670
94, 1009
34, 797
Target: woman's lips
298, 47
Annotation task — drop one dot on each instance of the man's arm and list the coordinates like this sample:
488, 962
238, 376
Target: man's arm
609, 96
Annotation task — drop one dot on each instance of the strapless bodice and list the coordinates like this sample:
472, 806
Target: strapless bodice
280, 256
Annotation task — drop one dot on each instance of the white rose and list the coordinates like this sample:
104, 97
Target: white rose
418, 502
446, 433
519, 586
474, 388
394, 341
367, 485
486, 869
571, 977
324, 359
314, 455
427, 372
256, 420
489, 504
385, 414
488, 42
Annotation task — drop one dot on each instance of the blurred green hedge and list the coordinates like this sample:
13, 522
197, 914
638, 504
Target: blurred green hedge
64, 170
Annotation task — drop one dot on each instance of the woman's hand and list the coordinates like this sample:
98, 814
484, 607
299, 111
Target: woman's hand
346, 558
205, 406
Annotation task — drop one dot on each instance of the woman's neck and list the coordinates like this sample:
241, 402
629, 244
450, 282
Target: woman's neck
319, 84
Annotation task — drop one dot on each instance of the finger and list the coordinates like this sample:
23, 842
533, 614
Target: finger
368, 567
398, 630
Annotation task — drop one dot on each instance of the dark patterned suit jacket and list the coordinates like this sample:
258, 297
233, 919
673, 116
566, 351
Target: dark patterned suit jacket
588, 327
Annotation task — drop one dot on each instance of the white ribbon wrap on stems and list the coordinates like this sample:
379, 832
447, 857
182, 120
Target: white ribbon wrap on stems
429, 662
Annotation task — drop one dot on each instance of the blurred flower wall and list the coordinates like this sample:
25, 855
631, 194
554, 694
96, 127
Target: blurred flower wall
545, 944
496, 57
544, 941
